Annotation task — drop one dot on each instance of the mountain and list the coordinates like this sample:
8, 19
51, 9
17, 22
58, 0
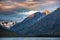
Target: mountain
24, 26
30, 20
49, 25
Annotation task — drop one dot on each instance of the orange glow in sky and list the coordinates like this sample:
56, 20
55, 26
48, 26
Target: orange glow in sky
29, 4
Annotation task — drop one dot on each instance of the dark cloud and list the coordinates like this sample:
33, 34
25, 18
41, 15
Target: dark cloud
21, 9
1, 0
16, 10
28, 4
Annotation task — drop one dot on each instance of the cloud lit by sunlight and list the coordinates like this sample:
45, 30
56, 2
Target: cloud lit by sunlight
28, 13
29, 4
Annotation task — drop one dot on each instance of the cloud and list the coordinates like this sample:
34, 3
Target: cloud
28, 4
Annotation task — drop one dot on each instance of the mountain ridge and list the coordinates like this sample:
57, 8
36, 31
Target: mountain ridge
27, 23
48, 25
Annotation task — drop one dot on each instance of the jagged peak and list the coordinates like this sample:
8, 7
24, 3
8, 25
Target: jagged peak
30, 16
46, 12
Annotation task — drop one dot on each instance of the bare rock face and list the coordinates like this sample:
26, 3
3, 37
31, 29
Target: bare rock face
47, 12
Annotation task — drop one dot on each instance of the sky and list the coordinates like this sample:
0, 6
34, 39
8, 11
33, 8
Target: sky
29, 5
23, 8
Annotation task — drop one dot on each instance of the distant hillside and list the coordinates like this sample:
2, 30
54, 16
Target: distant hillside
7, 33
